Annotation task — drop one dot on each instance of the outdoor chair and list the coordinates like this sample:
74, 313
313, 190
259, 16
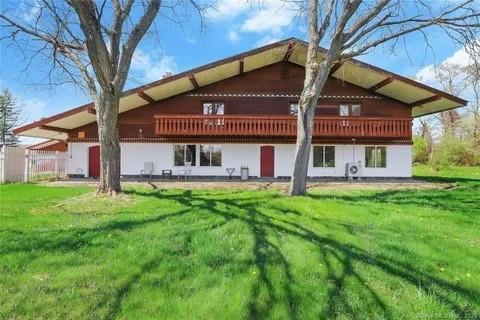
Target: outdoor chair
186, 171
147, 170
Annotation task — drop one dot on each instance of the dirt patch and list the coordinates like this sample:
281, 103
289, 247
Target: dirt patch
267, 185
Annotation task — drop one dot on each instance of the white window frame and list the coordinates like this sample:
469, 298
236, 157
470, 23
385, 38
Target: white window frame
323, 159
375, 157
219, 146
185, 147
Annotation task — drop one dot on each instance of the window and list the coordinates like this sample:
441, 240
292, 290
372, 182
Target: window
324, 156
213, 108
350, 110
210, 156
183, 154
376, 157
293, 109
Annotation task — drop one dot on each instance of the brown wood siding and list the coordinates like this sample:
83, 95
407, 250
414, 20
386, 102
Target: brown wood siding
60, 146
283, 77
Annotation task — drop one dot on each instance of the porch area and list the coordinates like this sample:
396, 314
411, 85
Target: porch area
280, 126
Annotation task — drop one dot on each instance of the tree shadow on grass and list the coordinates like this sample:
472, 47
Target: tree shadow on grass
276, 287
339, 258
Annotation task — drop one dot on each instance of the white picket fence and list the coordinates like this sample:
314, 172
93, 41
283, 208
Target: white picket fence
22, 165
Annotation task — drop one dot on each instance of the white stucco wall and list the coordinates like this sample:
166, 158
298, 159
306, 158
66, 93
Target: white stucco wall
399, 160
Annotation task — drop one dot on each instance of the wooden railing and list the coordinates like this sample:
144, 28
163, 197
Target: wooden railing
263, 125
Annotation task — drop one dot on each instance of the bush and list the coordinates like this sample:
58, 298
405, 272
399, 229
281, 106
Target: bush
421, 150
454, 151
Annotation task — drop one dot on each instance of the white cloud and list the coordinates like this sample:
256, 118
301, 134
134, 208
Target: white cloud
153, 65
266, 40
226, 9
268, 18
272, 17
29, 10
459, 58
233, 36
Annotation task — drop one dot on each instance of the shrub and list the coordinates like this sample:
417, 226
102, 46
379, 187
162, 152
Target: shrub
454, 151
421, 150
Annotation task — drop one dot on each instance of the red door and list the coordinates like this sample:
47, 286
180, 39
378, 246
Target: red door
267, 160
94, 162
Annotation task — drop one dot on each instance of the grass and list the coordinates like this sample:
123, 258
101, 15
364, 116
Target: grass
236, 254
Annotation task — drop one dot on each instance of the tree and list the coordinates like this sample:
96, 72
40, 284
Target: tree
350, 28
9, 118
92, 44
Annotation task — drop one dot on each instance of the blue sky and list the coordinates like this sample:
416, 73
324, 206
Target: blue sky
232, 28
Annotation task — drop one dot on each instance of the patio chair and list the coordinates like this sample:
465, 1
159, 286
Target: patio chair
147, 170
186, 171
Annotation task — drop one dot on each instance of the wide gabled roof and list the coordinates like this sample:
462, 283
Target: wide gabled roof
423, 99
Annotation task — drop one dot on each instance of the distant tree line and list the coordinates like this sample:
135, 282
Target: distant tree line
452, 137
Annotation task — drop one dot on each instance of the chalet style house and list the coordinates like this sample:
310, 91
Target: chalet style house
239, 113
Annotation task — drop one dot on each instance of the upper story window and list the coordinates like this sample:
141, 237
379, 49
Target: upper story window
210, 155
213, 108
376, 157
324, 156
293, 109
184, 155
350, 110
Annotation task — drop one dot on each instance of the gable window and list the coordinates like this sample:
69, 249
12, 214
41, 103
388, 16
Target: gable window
184, 154
376, 157
324, 156
293, 109
210, 155
213, 108
350, 110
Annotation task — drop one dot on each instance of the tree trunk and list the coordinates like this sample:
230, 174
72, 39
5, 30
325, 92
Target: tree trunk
315, 77
107, 118
306, 114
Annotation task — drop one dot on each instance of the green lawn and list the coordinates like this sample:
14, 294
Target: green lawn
233, 254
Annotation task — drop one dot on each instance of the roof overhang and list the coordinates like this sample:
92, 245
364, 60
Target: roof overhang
423, 99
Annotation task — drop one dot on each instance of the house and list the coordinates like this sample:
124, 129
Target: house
50, 145
240, 112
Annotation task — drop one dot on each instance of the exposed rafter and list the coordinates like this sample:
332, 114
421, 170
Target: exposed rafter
241, 66
56, 129
92, 111
145, 96
290, 49
425, 101
381, 84
192, 79
335, 67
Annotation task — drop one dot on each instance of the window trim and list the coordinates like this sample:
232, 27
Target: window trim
290, 108
323, 146
210, 155
350, 104
213, 101
184, 154
375, 157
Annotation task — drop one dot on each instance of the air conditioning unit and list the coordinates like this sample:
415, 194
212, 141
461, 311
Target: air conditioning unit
353, 170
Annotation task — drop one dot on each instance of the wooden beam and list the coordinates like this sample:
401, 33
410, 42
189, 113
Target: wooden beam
145, 96
381, 84
92, 111
193, 81
241, 66
425, 101
288, 54
335, 67
57, 129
